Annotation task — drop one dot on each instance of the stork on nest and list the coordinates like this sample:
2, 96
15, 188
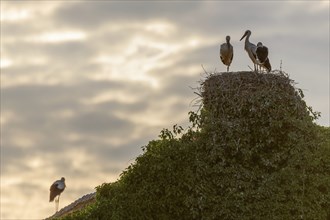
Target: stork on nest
226, 52
250, 48
262, 57
55, 191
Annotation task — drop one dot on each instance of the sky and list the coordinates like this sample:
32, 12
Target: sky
86, 84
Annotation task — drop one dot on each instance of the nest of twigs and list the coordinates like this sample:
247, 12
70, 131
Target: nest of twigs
249, 94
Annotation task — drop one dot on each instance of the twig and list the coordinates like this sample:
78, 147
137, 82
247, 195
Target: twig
198, 94
204, 69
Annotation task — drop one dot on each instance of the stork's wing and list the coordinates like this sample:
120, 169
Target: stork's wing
222, 59
253, 50
222, 51
53, 192
54, 185
262, 54
226, 54
267, 65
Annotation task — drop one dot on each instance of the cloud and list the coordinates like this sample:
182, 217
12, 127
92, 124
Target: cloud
94, 15
85, 84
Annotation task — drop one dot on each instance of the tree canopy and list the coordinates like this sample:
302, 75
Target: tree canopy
252, 151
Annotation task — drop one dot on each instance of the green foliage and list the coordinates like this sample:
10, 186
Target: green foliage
253, 152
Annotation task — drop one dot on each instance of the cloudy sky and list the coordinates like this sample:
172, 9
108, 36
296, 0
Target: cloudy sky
85, 84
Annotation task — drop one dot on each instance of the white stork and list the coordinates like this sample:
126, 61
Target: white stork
226, 52
250, 48
262, 57
55, 191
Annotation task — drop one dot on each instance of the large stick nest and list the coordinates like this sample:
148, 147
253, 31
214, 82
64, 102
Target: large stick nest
248, 94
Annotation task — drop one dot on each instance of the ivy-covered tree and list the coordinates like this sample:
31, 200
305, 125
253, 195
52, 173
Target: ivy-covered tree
252, 152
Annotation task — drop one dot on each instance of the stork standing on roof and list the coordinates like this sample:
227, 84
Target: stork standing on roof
55, 191
262, 57
226, 53
250, 48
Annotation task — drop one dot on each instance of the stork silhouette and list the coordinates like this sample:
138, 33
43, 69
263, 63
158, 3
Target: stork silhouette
250, 48
262, 57
226, 53
55, 191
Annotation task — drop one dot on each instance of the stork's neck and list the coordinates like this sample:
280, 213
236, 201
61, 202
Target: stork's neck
228, 44
247, 42
247, 38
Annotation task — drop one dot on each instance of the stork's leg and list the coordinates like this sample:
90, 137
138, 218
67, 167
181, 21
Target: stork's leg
56, 203
227, 68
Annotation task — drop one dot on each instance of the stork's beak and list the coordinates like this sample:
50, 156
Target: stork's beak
243, 36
